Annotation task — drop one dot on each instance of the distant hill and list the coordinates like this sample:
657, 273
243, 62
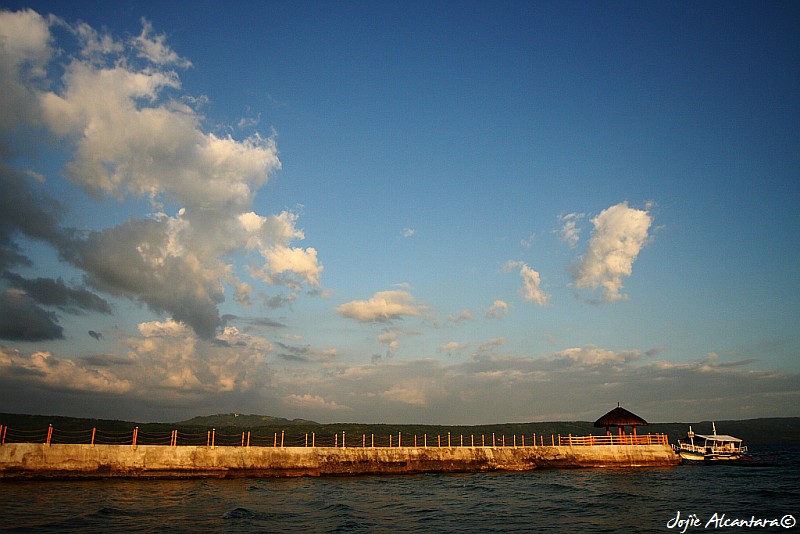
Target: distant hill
234, 420
764, 431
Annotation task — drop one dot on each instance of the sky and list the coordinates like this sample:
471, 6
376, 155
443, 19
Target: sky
418, 212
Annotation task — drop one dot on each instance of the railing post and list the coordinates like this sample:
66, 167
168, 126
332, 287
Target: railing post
363, 441
448, 439
425, 442
314, 439
336, 440
306, 439
344, 440
494, 441
439, 439
248, 437
399, 439
275, 440
49, 435
415, 441
390, 440
373, 441
242, 438
282, 438
135, 435
213, 436
472, 439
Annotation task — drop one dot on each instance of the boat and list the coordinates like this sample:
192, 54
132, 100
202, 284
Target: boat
710, 448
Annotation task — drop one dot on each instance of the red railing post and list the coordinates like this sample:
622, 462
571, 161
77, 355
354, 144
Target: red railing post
94, 431
49, 434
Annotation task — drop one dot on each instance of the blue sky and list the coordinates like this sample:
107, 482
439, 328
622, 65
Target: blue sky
451, 213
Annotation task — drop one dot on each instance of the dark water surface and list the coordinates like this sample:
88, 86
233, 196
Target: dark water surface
580, 500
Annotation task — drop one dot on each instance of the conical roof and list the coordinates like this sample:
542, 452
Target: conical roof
620, 417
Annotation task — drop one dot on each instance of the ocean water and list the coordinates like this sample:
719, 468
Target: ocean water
572, 500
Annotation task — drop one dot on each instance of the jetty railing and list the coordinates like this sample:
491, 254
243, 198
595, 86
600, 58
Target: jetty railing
611, 439
246, 438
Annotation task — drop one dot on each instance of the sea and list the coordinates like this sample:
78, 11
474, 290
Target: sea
762, 495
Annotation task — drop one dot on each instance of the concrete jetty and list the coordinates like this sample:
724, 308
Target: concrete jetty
37, 460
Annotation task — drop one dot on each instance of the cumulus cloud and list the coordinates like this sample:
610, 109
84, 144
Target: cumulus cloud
26, 210
45, 370
591, 355
619, 234
569, 232
497, 310
531, 281
528, 241
178, 265
21, 319
25, 51
309, 401
154, 48
382, 307
50, 292
390, 339
180, 361
452, 346
463, 316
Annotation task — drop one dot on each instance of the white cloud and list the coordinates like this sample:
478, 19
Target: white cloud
497, 310
175, 359
528, 242
176, 265
153, 48
383, 306
591, 355
25, 50
531, 280
619, 234
410, 392
453, 346
408, 232
570, 232
44, 369
464, 315
315, 402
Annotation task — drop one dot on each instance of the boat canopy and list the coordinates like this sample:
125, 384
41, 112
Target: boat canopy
718, 437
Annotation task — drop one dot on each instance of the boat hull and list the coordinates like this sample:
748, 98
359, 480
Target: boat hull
694, 457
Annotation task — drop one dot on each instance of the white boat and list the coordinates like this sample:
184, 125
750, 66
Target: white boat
710, 448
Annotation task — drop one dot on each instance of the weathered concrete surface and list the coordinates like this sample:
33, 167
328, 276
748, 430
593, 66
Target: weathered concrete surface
34, 460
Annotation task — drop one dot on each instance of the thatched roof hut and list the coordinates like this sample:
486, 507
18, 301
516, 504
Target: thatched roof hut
620, 418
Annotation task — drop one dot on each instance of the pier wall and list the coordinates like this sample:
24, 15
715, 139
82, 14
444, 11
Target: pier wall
36, 460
